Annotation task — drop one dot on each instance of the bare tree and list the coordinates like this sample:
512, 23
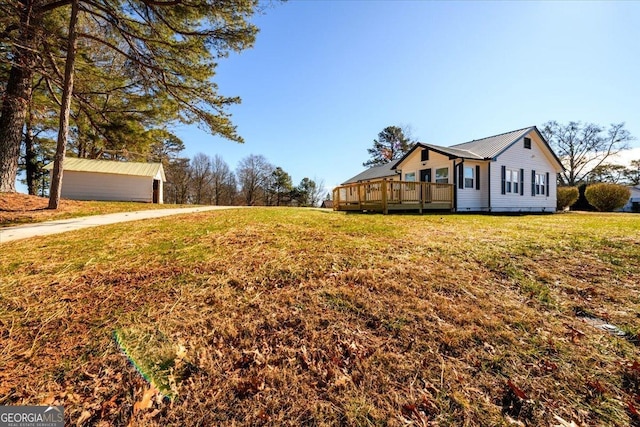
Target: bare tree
178, 181
584, 147
315, 195
253, 174
612, 174
230, 193
632, 173
222, 182
201, 177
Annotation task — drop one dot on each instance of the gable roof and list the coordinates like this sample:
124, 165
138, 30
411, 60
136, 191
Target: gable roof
488, 148
492, 146
152, 170
454, 153
375, 172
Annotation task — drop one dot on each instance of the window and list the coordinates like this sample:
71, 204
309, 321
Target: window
411, 176
527, 143
512, 181
442, 176
424, 155
540, 183
468, 177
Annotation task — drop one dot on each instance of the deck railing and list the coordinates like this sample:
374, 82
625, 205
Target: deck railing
383, 196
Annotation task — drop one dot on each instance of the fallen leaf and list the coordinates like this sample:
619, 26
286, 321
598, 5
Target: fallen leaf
146, 401
181, 352
83, 417
564, 423
517, 390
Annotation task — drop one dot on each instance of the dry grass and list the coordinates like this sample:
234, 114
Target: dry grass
17, 208
303, 317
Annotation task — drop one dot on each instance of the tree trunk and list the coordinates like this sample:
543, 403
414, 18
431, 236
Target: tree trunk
65, 109
17, 97
30, 161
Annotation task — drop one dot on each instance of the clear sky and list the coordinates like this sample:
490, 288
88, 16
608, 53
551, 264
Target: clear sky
324, 77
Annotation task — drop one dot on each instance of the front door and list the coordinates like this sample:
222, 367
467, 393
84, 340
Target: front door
425, 176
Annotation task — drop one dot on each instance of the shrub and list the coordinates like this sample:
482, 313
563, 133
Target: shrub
607, 197
567, 196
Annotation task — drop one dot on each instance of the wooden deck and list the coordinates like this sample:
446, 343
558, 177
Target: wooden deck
384, 196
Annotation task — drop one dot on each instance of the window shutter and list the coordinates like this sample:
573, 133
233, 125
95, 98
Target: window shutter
522, 182
477, 177
424, 155
461, 176
504, 178
547, 184
533, 183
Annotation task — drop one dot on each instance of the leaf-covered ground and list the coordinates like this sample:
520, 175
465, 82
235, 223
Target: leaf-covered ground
17, 208
305, 317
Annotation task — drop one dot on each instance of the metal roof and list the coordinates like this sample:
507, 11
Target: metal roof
453, 152
152, 170
490, 147
375, 172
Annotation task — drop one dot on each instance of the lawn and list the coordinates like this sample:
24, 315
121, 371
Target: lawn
17, 208
305, 317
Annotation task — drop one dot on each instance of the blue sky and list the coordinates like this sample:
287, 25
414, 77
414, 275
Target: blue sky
324, 77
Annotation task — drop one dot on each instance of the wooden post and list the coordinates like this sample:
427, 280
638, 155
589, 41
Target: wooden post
385, 206
359, 188
423, 189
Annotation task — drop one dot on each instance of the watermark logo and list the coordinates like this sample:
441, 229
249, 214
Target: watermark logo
31, 416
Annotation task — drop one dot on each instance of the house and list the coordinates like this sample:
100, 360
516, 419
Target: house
511, 172
85, 179
633, 205
328, 204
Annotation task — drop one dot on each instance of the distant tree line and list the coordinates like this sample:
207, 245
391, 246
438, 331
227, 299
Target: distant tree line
208, 180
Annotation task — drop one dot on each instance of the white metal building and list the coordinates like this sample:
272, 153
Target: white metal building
85, 179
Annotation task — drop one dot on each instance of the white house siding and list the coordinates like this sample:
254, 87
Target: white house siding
101, 186
517, 157
413, 164
470, 199
633, 205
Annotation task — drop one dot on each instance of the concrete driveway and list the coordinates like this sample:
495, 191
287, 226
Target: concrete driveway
8, 234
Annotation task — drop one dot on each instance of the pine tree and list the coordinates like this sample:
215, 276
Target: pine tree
392, 143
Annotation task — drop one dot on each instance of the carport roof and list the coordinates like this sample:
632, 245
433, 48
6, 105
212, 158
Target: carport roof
153, 170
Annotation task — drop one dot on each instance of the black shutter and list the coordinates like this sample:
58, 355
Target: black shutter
461, 176
533, 183
477, 177
504, 179
522, 182
547, 184
424, 155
